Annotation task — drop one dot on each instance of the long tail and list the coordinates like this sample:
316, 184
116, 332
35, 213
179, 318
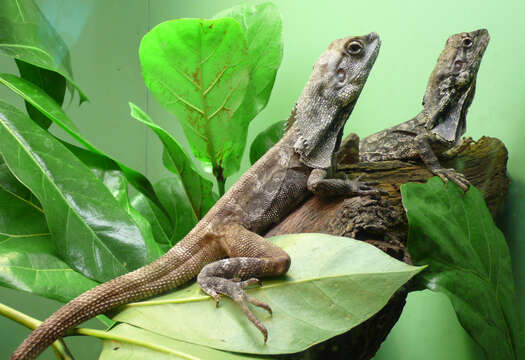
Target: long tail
157, 277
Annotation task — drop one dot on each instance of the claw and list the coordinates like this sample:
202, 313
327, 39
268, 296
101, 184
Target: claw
259, 303
217, 299
240, 299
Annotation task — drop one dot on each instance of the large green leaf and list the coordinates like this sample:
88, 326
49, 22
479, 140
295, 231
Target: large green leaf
26, 35
334, 284
112, 176
469, 261
92, 232
198, 69
148, 345
44, 103
265, 140
28, 260
263, 27
30, 263
52, 83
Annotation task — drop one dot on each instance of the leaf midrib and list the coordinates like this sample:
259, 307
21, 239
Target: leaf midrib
264, 287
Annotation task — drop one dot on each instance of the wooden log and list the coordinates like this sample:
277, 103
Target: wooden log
381, 221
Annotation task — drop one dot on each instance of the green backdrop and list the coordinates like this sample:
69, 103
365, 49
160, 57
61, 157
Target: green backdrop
104, 37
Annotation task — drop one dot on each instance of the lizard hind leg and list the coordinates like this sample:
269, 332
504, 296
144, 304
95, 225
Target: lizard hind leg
251, 257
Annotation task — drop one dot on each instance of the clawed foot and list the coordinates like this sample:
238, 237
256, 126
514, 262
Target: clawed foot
358, 187
454, 176
234, 288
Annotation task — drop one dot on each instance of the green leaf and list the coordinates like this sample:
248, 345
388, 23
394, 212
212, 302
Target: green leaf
195, 189
263, 27
469, 261
20, 211
111, 176
50, 82
262, 24
44, 103
198, 69
265, 140
93, 234
28, 259
174, 200
30, 263
334, 284
148, 345
26, 35
160, 223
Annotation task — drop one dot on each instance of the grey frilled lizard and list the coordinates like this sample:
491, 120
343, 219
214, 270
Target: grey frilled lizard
436, 131
298, 164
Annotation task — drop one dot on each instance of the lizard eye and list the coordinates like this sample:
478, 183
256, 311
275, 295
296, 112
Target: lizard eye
341, 75
467, 42
354, 47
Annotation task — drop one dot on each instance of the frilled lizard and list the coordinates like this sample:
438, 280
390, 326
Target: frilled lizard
436, 131
301, 162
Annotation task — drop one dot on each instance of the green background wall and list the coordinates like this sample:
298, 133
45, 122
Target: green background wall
104, 38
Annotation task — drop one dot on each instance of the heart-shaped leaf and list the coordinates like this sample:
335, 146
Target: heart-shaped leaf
469, 261
198, 69
334, 284
263, 28
92, 232
262, 25
25, 34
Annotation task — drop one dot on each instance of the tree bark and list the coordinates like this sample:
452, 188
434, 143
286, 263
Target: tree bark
381, 221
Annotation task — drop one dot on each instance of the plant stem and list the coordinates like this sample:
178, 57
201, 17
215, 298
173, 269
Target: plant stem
221, 183
221, 180
60, 348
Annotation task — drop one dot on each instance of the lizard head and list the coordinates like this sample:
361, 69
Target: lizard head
330, 95
451, 86
341, 71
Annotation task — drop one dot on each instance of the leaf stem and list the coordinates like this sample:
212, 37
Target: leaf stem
109, 336
60, 348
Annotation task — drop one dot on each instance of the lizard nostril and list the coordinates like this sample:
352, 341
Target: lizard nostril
458, 64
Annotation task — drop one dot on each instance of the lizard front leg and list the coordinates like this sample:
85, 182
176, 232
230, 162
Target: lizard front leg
250, 258
431, 161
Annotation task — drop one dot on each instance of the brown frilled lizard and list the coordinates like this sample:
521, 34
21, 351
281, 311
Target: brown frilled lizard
436, 131
298, 164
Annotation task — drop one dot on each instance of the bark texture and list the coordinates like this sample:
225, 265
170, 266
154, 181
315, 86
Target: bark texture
382, 222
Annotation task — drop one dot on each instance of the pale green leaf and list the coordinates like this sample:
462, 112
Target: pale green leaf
334, 284
148, 345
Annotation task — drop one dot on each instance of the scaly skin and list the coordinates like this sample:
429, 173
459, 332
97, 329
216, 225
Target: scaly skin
267, 192
439, 126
